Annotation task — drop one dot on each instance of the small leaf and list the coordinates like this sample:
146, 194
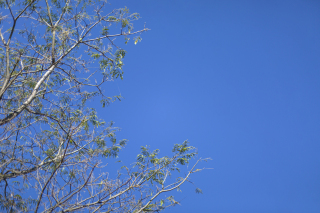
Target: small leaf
198, 191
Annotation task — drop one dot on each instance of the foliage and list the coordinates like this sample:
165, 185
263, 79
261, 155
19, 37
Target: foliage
55, 56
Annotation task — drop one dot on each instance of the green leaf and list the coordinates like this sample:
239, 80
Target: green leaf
95, 55
105, 31
137, 39
112, 18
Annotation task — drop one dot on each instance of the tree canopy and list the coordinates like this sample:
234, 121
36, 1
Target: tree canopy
55, 56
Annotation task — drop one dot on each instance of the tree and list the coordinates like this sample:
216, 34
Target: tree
55, 56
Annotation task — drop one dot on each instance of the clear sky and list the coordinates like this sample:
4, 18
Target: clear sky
240, 80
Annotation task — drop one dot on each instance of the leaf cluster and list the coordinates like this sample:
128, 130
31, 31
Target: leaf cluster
55, 58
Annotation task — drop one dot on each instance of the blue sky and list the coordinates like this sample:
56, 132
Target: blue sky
240, 80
